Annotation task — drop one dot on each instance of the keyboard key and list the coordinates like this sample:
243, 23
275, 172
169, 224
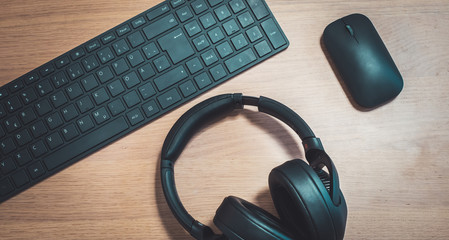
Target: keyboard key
5, 187
239, 42
69, 132
7, 165
231, 27
85, 123
38, 129
29, 78
59, 79
120, 47
176, 45
135, 58
160, 26
92, 45
192, 28
224, 49
7, 145
20, 178
13, 104
171, 77
169, 98
222, 12
135, 39
23, 137
146, 71
46, 69
258, 8
54, 140
84, 104
184, 14
138, 22
115, 88
194, 65
74, 91
36, 170
90, 63
209, 57
43, 107
44, 87
16, 86
69, 112
237, 5
89, 82
240, 60
147, 91
150, 108
254, 34
38, 149
22, 157
245, 19
218, 72
150, 50
101, 115
207, 20
176, 3
27, 116
214, 2
54, 120
122, 30
105, 74
108, 37
58, 99
105, 55
77, 53
262, 48
158, 11
116, 107
120, 66
131, 99
203, 80
131, 79
161, 63
75, 71
100, 96
215, 35
62, 61
199, 6
200, 43
135, 116
12, 124
273, 33
85, 143
187, 88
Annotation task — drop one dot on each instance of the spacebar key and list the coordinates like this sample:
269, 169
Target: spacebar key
85, 143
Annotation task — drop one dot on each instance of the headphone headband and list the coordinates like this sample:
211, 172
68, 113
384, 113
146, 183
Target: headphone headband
213, 108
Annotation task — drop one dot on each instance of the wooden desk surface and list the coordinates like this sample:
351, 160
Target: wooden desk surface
393, 161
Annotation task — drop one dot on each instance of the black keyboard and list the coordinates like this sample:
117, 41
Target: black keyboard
125, 78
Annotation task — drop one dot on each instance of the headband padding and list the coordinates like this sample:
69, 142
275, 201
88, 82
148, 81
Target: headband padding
299, 197
196, 118
239, 219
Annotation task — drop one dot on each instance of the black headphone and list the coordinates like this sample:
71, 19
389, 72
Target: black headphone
308, 199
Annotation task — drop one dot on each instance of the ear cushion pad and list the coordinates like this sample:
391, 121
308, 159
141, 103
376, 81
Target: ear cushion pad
242, 220
302, 201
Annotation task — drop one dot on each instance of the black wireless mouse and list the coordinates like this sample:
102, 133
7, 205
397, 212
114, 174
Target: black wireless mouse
362, 60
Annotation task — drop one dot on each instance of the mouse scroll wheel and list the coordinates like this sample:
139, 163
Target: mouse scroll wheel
349, 29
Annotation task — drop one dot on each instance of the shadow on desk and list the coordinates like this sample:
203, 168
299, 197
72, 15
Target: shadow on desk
263, 199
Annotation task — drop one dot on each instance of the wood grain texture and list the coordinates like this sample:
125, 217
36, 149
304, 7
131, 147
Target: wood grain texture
392, 161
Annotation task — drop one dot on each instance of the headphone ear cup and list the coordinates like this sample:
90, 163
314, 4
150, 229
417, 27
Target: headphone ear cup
300, 199
239, 219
